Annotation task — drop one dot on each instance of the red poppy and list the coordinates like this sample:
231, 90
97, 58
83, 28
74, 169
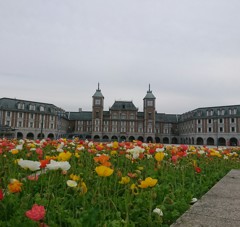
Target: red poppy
44, 163
151, 151
198, 169
1, 194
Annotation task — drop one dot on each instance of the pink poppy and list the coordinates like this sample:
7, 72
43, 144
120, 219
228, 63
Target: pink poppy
37, 212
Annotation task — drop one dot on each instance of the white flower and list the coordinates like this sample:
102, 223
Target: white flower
60, 147
194, 200
135, 154
80, 148
72, 183
109, 145
201, 152
19, 147
90, 144
28, 164
21, 141
33, 149
160, 149
225, 157
158, 211
58, 165
149, 156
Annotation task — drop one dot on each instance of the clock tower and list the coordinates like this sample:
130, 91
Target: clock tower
97, 111
149, 115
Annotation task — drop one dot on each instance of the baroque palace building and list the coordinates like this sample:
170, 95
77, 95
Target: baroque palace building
219, 126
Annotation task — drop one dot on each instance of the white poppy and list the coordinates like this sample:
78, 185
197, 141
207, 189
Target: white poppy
58, 165
28, 164
72, 183
158, 211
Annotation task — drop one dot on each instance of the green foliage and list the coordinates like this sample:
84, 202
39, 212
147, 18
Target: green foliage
107, 202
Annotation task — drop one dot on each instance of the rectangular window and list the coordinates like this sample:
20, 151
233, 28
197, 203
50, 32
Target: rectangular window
8, 123
31, 116
52, 125
97, 114
8, 114
31, 124
123, 123
123, 116
220, 120
20, 115
209, 121
233, 129
199, 130
132, 116
232, 120
150, 115
209, 129
221, 129
199, 121
19, 124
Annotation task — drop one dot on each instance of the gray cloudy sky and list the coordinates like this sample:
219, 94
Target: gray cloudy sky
56, 51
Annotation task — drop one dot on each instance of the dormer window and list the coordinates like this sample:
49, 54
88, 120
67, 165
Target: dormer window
20, 106
31, 107
42, 108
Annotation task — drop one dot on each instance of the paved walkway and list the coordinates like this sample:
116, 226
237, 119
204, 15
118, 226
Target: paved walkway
219, 207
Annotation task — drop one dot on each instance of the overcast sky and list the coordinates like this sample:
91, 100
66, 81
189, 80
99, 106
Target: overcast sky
56, 51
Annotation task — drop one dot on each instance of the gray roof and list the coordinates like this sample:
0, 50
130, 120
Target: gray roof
123, 105
98, 94
12, 104
202, 112
149, 94
162, 117
80, 116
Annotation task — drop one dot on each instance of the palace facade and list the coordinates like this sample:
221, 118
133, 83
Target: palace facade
219, 126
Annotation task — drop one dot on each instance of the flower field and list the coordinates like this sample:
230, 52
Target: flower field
81, 183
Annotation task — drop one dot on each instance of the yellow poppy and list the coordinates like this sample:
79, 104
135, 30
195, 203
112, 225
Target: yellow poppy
124, 180
159, 156
103, 171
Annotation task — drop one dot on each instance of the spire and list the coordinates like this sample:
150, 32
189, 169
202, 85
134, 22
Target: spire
149, 94
98, 92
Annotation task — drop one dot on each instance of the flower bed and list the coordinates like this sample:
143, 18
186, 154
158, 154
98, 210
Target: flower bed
81, 183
